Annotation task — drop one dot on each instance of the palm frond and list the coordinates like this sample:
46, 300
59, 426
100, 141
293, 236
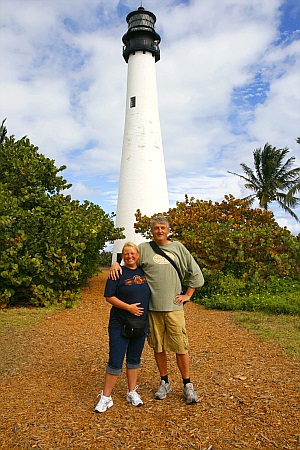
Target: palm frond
250, 199
287, 209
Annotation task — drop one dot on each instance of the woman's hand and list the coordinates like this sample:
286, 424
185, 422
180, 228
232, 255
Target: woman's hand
115, 271
135, 309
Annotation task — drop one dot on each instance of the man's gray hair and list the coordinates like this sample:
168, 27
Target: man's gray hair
159, 219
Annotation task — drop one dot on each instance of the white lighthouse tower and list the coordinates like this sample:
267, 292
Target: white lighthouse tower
143, 183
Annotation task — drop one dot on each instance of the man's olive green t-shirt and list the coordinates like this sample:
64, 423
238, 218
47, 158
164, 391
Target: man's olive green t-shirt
162, 277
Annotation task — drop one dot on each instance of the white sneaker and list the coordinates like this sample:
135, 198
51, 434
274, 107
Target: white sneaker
134, 398
104, 403
190, 394
162, 391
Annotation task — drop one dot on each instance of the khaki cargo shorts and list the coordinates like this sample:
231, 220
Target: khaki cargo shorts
167, 331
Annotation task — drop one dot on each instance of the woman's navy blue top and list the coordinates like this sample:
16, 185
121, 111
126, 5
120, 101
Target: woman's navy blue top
131, 287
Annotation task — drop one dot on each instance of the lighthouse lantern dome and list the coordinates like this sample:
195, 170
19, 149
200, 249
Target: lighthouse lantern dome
141, 35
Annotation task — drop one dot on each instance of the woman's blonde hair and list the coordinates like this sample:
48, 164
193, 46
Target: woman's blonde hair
130, 244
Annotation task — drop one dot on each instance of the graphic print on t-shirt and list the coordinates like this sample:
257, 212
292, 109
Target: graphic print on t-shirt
135, 280
158, 259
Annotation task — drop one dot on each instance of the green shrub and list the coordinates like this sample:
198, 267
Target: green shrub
233, 238
105, 259
249, 262
49, 244
276, 295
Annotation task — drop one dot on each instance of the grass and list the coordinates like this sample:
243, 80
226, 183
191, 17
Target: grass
280, 329
13, 322
21, 318
269, 303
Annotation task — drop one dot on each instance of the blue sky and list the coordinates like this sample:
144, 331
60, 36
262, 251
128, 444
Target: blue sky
228, 82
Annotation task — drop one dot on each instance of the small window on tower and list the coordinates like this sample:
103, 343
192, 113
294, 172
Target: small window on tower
132, 102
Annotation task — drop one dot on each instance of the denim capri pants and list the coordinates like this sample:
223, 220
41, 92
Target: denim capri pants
119, 346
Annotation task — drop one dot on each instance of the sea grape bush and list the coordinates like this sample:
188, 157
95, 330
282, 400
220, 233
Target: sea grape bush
241, 250
49, 244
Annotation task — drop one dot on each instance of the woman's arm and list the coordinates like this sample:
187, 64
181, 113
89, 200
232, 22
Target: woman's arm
133, 308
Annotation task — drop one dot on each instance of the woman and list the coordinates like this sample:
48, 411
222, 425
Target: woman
129, 297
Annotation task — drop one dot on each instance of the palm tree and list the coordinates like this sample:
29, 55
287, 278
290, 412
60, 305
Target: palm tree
273, 179
3, 131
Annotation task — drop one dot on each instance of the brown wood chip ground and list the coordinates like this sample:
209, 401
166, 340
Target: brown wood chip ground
248, 390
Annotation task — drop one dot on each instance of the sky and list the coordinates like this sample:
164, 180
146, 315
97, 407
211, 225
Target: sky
228, 83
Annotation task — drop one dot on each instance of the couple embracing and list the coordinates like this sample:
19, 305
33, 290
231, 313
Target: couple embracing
149, 280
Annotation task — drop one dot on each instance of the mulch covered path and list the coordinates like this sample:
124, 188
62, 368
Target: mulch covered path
248, 390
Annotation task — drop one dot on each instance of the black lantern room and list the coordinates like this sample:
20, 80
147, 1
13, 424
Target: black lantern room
141, 35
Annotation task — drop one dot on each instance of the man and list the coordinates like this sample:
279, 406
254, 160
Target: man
166, 315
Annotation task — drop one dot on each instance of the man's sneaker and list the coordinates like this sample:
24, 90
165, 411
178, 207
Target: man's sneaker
162, 391
104, 403
190, 394
134, 398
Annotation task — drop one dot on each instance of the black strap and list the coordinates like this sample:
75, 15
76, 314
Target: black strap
158, 250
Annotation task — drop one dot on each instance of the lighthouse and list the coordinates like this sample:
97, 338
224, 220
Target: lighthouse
143, 181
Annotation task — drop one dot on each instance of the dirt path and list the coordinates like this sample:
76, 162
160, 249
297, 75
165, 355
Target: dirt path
248, 390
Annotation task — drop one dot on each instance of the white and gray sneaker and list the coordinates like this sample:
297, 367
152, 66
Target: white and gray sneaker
134, 398
162, 391
104, 403
190, 394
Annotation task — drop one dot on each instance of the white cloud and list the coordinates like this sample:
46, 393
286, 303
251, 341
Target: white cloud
293, 227
277, 119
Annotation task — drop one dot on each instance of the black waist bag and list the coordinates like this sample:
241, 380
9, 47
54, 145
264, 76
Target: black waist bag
132, 326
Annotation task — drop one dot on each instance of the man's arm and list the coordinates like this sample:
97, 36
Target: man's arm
115, 271
195, 276
183, 298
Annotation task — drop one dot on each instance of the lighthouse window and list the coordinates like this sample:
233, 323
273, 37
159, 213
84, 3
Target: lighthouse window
132, 102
